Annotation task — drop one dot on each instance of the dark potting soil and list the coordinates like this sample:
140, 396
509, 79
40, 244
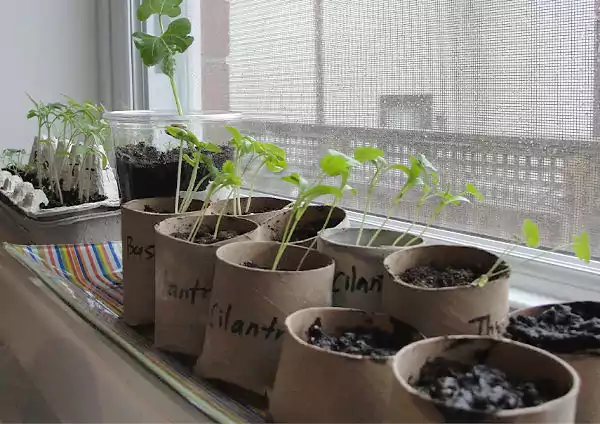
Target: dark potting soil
155, 210
428, 276
144, 171
479, 388
364, 341
205, 235
70, 197
311, 229
561, 329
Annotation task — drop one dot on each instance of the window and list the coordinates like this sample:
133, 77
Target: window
501, 94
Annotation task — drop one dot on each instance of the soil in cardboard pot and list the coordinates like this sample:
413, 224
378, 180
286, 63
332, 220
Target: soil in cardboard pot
479, 387
363, 341
205, 235
431, 277
145, 172
70, 197
560, 329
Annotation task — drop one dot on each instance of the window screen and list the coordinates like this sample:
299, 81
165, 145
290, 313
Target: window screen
503, 94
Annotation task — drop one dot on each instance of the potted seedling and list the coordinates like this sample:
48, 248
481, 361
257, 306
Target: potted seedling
359, 252
67, 193
140, 217
569, 330
250, 158
480, 379
334, 366
183, 287
256, 286
463, 289
145, 167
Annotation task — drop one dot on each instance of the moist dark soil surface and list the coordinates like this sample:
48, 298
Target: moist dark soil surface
144, 171
205, 235
155, 210
364, 341
428, 276
479, 388
70, 197
561, 329
256, 210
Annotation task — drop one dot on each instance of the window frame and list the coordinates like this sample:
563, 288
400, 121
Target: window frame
552, 278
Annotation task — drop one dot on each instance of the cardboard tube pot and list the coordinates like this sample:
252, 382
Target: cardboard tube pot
261, 208
138, 218
585, 361
451, 310
249, 305
519, 361
315, 385
359, 270
309, 225
184, 277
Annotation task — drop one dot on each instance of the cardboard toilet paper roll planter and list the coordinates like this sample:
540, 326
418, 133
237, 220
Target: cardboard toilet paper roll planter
138, 218
261, 208
520, 362
309, 225
317, 385
184, 277
359, 270
249, 305
467, 309
576, 342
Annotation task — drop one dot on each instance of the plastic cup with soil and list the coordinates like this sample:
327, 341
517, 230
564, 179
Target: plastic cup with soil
144, 171
248, 307
571, 331
261, 209
434, 289
480, 379
309, 225
138, 218
184, 276
147, 158
359, 270
334, 365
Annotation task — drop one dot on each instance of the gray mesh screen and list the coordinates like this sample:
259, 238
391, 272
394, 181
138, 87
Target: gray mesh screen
502, 94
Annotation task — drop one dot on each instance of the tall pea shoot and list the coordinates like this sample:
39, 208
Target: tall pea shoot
530, 237
161, 50
333, 164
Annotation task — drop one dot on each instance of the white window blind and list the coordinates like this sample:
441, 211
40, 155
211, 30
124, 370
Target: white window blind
501, 94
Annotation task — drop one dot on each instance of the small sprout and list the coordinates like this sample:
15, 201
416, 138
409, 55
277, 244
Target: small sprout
581, 247
531, 233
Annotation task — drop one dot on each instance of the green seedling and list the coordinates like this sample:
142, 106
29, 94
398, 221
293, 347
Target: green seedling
162, 49
530, 237
256, 156
13, 158
333, 164
81, 131
196, 157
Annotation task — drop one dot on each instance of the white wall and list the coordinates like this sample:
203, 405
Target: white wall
49, 48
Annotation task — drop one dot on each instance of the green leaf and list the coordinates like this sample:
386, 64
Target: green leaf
482, 280
531, 233
152, 49
472, 190
333, 165
235, 133
426, 164
321, 190
228, 167
581, 247
456, 200
177, 37
296, 180
213, 148
367, 154
401, 167
171, 8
